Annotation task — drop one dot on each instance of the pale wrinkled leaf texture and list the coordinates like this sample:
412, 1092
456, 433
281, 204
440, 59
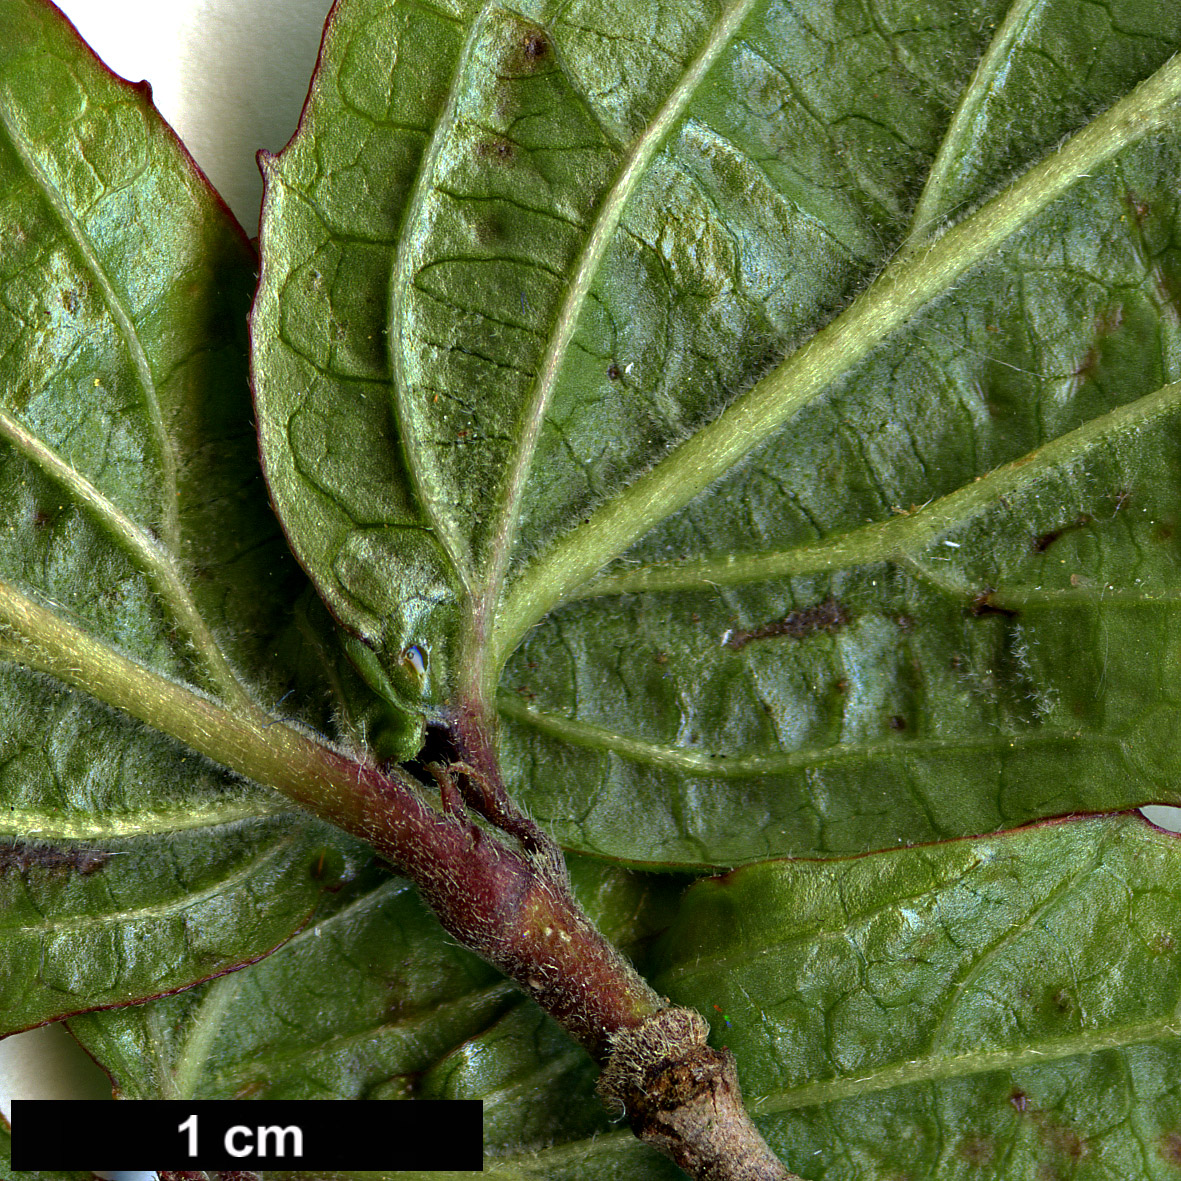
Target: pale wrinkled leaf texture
515, 259
995, 1008
517, 265
362, 1004
134, 508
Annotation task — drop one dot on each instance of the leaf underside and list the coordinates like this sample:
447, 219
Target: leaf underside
529, 278
134, 511
522, 286
985, 1008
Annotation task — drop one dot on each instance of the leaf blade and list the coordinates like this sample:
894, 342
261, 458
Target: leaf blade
137, 553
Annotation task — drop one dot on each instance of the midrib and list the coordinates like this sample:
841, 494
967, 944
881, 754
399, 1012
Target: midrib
901, 291
966, 1065
632, 169
169, 521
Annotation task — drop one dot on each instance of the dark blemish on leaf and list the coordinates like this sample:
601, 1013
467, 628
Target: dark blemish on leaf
24, 858
1121, 497
661, 658
1063, 1001
1019, 1100
957, 661
829, 616
1105, 324
70, 301
904, 623
1066, 1141
1137, 205
614, 372
842, 686
535, 46
1043, 543
976, 1150
982, 604
694, 618
1170, 1149
897, 722
1164, 531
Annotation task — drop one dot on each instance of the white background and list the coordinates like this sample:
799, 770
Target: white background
230, 76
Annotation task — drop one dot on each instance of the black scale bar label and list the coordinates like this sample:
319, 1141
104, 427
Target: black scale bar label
424, 1134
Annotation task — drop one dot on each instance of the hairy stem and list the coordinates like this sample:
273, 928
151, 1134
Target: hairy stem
509, 901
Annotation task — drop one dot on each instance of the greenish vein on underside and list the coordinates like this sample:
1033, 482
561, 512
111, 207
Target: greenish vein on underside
930, 1070
610, 210
26, 823
900, 291
907, 534
145, 551
412, 1028
268, 752
919, 1071
691, 762
169, 519
953, 148
204, 1026
175, 906
986, 956
401, 281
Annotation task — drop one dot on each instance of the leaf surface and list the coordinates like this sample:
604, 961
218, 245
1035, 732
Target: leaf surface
361, 1004
989, 1008
915, 581
134, 517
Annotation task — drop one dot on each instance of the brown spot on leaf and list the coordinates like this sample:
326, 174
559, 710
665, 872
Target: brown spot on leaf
70, 301
498, 149
535, 45
976, 1150
1065, 1140
829, 616
1164, 531
897, 722
982, 604
1170, 1149
614, 372
904, 623
1019, 1100
25, 858
1043, 543
1107, 322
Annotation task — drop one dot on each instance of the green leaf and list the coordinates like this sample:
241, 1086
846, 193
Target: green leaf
320, 370
999, 1007
135, 517
361, 1004
523, 323
978, 1008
